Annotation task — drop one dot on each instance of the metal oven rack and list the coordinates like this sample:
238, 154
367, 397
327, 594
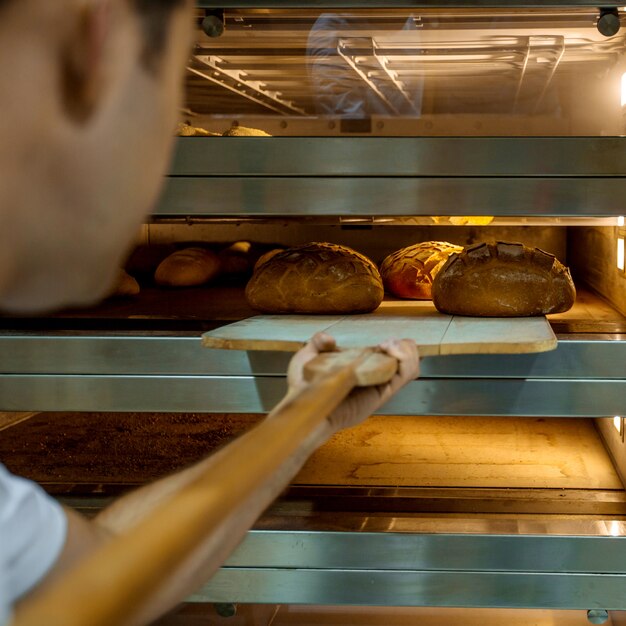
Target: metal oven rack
391, 70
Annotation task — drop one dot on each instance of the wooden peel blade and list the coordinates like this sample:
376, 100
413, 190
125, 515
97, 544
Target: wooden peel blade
433, 333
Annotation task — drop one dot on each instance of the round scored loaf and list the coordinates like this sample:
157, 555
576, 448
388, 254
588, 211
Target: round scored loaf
264, 258
187, 268
409, 272
503, 280
318, 278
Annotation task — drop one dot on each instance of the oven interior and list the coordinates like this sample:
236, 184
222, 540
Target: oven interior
391, 470
102, 399
424, 71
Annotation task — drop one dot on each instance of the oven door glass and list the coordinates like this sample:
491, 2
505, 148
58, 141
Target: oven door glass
415, 73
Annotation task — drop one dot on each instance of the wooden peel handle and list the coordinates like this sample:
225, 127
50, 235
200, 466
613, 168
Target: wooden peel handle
374, 366
115, 583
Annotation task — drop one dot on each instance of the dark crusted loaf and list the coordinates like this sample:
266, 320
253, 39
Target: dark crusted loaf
321, 278
503, 280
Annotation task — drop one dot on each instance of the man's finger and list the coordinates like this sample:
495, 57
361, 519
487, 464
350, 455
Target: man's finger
405, 351
323, 342
320, 342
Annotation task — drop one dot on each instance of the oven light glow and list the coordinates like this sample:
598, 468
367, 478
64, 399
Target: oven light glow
620, 253
620, 220
617, 423
624, 89
615, 528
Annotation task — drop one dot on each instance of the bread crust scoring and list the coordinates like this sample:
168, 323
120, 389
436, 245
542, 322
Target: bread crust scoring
503, 279
409, 272
318, 278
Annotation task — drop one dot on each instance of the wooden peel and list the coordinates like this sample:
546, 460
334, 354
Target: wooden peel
373, 368
117, 582
433, 333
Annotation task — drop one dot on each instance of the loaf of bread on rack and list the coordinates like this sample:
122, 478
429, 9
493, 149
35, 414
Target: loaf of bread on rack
187, 268
264, 258
319, 278
503, 280
125, 286
236, 259
244, 131
185, 130
409, 272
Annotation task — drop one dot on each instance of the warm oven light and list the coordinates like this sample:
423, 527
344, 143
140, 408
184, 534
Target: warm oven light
620, 220
615, 528
617, 423
624, 89
620, 253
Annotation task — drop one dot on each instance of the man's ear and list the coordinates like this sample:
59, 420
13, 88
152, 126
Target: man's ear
82, 78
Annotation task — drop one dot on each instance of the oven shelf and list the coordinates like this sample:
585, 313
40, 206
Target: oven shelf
474, 464
95, 361
204, 308
401, 545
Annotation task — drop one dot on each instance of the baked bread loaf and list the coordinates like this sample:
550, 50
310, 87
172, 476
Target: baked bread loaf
187, 268
125, 286
244, 131
264, 258
236, 259
185, 130
503, 280
409, 272
320, 278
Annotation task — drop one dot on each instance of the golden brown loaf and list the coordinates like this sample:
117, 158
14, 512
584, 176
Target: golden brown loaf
185, 130
264, 258
236, 259
409, 272
321, 278
125, 286
503, 280
243, 131
187, 268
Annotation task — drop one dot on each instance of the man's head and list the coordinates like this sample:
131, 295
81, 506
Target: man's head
89, 98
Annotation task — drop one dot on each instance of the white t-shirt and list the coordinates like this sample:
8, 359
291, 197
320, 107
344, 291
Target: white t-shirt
33, 528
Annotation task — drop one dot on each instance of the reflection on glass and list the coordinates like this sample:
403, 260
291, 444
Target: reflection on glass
422, 73
351, 74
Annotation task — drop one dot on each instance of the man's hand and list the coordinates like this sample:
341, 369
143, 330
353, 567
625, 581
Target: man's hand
361, 403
